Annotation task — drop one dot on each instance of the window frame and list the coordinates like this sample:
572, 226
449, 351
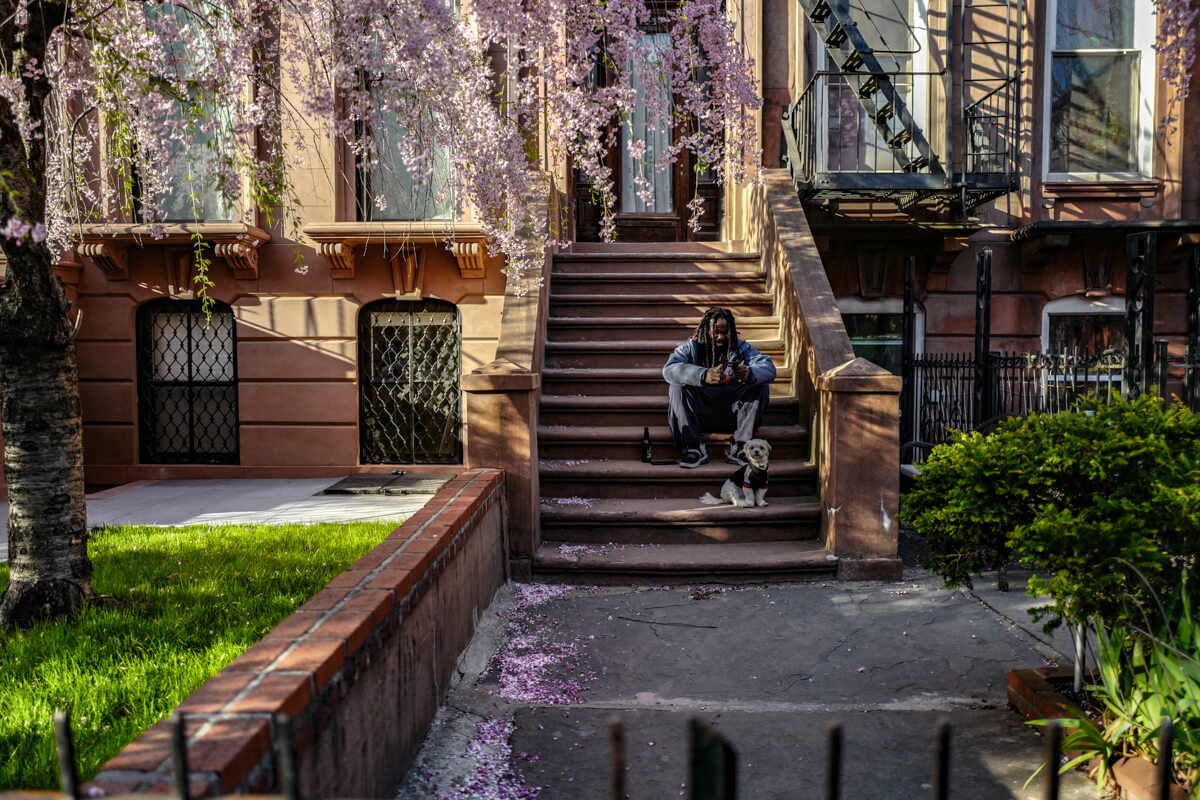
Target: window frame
1079, 305
1143, 44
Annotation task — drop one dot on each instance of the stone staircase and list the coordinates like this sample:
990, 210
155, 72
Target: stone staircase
615, 316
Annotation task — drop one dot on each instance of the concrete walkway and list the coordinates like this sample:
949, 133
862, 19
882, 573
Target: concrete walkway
196, 502
770, 667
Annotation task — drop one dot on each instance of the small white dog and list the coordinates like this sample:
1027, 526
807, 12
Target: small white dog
747, 487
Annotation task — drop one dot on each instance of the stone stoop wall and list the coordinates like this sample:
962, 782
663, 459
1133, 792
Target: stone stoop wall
361, 667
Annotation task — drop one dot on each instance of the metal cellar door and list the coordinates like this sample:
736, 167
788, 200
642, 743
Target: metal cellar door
410, 364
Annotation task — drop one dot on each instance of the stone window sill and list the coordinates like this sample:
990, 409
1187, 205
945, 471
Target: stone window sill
336, 242
107, 244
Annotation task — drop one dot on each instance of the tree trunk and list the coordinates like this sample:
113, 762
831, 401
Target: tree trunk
49, 570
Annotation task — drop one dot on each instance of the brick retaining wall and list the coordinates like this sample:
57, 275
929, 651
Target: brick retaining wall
361, 667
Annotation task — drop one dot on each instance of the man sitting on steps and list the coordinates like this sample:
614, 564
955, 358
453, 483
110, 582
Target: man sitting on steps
717, 383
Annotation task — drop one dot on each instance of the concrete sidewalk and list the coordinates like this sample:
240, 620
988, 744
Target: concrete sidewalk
771, 668
195, 502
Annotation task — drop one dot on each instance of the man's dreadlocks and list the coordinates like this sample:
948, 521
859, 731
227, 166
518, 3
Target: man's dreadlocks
705, 346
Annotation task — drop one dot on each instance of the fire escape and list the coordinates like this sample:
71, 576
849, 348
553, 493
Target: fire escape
872, 128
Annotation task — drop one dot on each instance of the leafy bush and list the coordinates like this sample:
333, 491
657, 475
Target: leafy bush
1104, 500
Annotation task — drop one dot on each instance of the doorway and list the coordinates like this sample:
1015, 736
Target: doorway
651, 205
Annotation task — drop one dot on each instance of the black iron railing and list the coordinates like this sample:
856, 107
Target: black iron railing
712, 761
941, 389
989, 135
837, 151
834, 135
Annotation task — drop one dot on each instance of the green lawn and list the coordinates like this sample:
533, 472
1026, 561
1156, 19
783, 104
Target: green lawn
195, 598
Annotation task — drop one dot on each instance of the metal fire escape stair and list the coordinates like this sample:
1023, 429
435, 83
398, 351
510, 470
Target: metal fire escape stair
877, 94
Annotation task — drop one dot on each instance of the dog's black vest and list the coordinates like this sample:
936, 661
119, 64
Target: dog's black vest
750, 477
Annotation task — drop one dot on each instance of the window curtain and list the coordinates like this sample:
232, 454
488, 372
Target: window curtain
657, 141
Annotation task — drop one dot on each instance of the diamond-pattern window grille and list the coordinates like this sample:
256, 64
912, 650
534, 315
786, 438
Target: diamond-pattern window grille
409, 371
187, 384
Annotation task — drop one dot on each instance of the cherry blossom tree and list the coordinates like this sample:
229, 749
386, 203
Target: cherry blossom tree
234, 91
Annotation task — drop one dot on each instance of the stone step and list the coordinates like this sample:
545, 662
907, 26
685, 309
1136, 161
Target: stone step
595, 521
676, 328
639, 410
611, 354
742, 304
655, 283
646, 381
629, 478
588, 440
659, 261
753, 562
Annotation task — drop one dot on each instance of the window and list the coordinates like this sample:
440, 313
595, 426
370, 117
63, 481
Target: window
187, 383
876, 330
879, 338
1090, 334
409, 370
192, 193
387, 189
1084, 326
1100, 88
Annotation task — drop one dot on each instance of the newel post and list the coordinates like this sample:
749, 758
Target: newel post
858, 468
502, 407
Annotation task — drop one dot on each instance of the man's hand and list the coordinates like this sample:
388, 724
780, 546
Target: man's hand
742, 373
714, 376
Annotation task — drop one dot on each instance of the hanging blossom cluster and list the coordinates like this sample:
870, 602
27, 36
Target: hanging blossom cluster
585, 65
1176, 42
204, 109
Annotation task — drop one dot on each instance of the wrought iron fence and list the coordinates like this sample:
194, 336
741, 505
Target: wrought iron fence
942, 389
712, 761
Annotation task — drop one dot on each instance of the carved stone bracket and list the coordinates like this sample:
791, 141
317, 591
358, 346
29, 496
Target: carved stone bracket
339, 256
241, 257
110, 256
336, 242
469, 256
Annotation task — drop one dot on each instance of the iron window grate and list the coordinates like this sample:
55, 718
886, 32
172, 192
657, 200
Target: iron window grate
410, 365
187, 384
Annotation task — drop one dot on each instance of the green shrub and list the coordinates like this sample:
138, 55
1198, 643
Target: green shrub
1104, 501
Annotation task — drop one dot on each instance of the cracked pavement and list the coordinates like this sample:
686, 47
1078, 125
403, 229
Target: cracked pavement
770, 668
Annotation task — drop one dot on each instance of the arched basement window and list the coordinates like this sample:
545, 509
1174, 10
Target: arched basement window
187, 383
409, 370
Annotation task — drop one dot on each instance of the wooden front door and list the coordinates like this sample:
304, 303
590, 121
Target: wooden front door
654, 209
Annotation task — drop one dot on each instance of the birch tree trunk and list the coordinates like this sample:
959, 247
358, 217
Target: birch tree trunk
49, 570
